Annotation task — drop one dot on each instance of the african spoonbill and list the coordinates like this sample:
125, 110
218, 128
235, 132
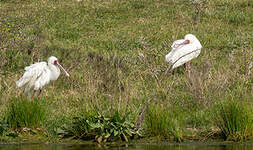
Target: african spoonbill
183, 51
39, 74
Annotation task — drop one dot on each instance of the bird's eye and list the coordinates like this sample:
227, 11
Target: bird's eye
55, 62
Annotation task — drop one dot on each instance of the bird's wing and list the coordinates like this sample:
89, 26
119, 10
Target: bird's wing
170, 55
37, 65
43, 79
185, 58
183, 54
32, 72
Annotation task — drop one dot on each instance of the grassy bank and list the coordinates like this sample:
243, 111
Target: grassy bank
115, 54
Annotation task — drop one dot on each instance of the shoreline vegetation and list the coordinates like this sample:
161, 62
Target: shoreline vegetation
119, 89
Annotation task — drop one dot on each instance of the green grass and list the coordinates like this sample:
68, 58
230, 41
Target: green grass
101, 44
234, 120
165, 123
21, 113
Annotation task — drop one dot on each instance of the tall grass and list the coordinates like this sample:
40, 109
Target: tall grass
22, 113
234, 120
2, 129
162, 122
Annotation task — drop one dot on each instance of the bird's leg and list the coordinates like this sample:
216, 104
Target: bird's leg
189, 67
185, 67
33, 94
39, 95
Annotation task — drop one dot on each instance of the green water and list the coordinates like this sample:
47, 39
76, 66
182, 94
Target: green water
183, 146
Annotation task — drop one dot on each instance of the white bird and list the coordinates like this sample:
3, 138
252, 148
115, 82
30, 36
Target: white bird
183, 51
38, 75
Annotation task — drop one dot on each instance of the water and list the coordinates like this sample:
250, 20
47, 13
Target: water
183, 146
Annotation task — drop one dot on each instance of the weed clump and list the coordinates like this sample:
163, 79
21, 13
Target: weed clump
22, 113
101, 128
234, 120
163, 123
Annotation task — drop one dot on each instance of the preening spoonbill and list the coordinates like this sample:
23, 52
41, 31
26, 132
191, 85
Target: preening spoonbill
38, 75
183, 51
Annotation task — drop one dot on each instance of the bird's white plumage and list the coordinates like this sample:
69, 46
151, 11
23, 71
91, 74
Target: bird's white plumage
181, 54
38, 75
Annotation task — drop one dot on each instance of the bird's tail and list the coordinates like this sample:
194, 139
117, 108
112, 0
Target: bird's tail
24, 84
21, 82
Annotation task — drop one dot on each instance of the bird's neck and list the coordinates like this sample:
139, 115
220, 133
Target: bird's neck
55, 72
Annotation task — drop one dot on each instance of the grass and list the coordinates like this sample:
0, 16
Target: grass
114, 52
21, 113
234, 120
163, 123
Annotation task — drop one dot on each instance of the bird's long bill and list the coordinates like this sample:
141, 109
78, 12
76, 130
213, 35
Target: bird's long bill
185, 42
67, 74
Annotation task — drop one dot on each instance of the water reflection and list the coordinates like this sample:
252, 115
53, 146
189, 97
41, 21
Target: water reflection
184, 146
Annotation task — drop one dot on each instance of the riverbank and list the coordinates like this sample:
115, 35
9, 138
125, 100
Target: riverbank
28, 138
26, 122
142, 146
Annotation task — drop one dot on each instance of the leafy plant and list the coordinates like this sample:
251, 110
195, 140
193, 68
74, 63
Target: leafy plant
103, 128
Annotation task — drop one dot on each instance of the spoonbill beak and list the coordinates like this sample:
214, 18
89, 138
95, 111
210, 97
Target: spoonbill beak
183, 43
67, 74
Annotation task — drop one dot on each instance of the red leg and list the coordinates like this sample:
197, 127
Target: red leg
39, 95
33, 94
189, 67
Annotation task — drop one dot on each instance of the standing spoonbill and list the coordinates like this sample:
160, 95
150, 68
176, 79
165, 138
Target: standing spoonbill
38, 75
183, 51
